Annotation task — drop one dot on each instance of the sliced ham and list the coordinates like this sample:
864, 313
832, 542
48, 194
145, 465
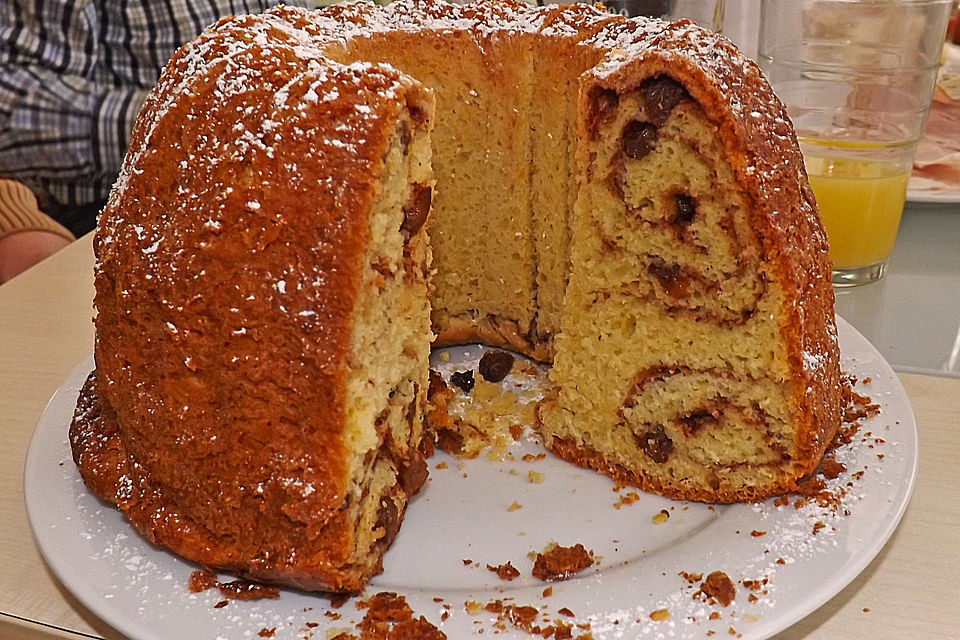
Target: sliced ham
938, 154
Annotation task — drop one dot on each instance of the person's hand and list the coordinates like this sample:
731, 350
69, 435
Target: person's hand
20, 251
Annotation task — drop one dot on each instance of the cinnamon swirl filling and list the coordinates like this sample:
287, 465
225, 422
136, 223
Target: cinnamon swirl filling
684, 232
706, 416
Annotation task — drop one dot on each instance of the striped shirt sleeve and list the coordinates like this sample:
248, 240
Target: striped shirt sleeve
58, 118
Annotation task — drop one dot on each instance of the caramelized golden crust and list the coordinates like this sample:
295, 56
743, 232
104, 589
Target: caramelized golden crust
109, 472
97, 449
228, 262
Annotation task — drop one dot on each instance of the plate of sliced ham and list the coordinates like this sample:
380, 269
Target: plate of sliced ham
936, 165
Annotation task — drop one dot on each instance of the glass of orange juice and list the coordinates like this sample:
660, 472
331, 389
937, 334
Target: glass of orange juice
857, 77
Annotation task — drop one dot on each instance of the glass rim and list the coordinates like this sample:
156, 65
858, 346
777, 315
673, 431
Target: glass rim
837, 66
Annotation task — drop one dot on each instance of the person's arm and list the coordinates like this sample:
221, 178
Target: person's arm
59, 118
27, 235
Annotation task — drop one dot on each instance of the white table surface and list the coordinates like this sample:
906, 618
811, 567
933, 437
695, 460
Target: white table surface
912, 315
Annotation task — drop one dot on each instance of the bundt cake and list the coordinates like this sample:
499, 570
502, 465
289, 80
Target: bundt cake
622, 197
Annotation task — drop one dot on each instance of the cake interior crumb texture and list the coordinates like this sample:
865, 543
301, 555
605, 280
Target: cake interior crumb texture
536, 187
621, 198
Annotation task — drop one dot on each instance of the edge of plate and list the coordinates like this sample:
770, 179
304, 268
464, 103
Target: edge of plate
834, 585
842, 579
925, 197
96, 606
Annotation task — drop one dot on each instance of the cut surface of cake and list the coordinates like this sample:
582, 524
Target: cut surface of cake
311, 198
697, 355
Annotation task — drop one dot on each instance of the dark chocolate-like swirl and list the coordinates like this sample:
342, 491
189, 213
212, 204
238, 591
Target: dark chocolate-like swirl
698, 223
702, 414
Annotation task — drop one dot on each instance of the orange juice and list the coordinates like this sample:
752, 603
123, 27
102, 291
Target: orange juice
860, 204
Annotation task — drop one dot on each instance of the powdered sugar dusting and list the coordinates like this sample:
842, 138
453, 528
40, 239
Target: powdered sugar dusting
811, 361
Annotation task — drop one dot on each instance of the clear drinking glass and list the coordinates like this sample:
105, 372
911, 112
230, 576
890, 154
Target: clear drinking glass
738, 20
857, 77
706, 13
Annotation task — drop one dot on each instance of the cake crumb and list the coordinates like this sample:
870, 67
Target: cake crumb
497, 450
754, 585
267, 633
757, 534
389, 616
661, 517
201, 580
626, 499
487, 391
691, 577
505, 571
514, 506
535, 477
559, 563
495, 606
524, 618
547, 592
465, 424
719, 587
473, 607
830, 468
660, 615
444, 356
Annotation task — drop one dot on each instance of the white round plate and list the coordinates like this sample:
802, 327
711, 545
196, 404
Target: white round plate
462, 514
930, 192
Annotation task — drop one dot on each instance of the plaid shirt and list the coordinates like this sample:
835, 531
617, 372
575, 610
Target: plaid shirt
73, 75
